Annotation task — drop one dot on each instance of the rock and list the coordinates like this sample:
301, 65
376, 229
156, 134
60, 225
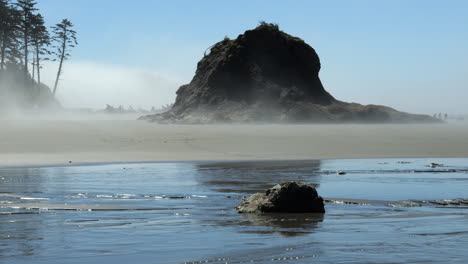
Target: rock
287, 197
267, 75
435, 165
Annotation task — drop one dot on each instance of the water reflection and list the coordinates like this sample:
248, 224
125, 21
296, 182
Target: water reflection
20, 180
256, 176
20, 236
200, 222
241, 178
284, 224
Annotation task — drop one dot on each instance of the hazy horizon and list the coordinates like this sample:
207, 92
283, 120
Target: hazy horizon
411, 56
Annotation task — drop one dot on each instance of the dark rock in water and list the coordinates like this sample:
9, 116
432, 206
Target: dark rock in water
270, 76
287, 197
435, 165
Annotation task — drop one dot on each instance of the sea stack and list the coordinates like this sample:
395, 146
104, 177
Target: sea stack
267, 75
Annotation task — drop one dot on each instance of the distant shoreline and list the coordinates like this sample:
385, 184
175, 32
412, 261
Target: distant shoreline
55, 143
86, 164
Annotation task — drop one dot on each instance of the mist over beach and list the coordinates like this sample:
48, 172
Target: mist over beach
57, 142
241, 132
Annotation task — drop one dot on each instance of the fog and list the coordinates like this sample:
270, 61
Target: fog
36, 142
93, 85
87, 87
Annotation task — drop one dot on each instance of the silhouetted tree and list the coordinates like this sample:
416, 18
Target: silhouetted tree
26, 8
9, 30
4, 18
40, 39
65, 38
24, 40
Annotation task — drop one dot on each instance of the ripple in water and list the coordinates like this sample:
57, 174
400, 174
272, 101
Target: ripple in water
378, 211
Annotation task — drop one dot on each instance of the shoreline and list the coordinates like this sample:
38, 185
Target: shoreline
42, 143
110, 163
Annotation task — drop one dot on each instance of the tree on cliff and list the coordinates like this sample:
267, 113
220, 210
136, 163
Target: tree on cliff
24, 39
26, 8
40, 39
65, 38
9, 34
4, 25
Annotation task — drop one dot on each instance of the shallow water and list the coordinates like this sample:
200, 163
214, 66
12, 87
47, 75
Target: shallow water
380, 211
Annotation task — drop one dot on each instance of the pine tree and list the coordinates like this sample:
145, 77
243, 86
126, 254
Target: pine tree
9, 33
24, 39
4, 18
27, 9
40, 39
65, 39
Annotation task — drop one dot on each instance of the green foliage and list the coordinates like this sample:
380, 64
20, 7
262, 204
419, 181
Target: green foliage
22, 32
24, 39
9, 34
40, 37
40, 40
65, 38
233, 48
265, 25
230, 47
274, 27
26, 9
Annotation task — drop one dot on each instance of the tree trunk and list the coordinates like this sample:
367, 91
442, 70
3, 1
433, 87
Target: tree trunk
33, 70
62, 56
26, 43
3, 52
3, 57
38, 68
58, 75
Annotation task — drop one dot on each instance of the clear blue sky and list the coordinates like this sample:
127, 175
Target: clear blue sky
411, 55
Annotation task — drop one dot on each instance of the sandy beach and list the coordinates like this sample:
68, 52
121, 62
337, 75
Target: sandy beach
29, 143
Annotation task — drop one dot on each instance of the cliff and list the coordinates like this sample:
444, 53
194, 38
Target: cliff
266, 75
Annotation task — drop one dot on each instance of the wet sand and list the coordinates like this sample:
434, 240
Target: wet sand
28, 143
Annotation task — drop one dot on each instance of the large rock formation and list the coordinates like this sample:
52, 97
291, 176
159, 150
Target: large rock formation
287, 197
266, 75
